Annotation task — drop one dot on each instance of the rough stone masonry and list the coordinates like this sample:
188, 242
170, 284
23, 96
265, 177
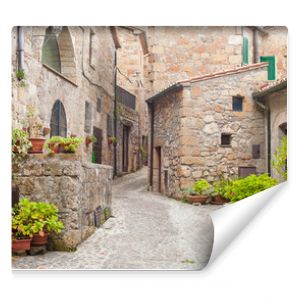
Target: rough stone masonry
73, 186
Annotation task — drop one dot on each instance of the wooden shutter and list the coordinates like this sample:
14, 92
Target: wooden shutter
272, 66
245, 50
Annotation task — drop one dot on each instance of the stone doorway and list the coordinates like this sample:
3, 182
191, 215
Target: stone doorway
125, 152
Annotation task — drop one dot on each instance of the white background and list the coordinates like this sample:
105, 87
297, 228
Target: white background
262, 262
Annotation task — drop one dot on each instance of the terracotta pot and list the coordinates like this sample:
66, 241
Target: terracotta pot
87, 141
55, 148
20, 245
38, 240
197, 199
37, 145
219, 200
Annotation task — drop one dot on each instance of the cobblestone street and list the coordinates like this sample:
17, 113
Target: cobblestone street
147, 231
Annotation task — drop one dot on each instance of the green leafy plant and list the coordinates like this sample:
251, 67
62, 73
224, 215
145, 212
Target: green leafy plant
220, 187
20, 145
90, 139
29, 218
279, 161
20, 74
112, 139
32, 123
52, 143
248, 186
201, 187
71, 144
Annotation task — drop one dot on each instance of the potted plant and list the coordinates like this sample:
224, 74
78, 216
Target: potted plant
54, 144
44, 219
219, 191
21, 226
90, 139
35, 130
20, 145
111, 140
70, 144
199, 193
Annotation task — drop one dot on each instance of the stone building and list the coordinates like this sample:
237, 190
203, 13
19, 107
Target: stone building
207, 123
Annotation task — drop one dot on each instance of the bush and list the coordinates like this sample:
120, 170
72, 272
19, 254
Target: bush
201, 186
248, 186
20, 145
70, 144
279, 161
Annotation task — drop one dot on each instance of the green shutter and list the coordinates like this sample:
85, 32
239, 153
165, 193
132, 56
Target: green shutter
93, 157
272, 66
245, 51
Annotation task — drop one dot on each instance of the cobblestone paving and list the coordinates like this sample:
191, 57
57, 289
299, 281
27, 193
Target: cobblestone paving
148, 231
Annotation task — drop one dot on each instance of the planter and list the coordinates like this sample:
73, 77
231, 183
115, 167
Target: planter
219, 200
20, 245
197, 199
37, 145
38, 240
55, 148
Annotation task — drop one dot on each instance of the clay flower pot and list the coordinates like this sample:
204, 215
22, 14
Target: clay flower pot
39, 240
37, 145
219, 200
197, 199
20, 245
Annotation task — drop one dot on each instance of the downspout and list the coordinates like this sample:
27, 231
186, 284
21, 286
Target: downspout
152, 111
115, 114
20, 50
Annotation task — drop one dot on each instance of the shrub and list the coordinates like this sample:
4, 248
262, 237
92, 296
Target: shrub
279, 160
248, 186
53, 142
201, 186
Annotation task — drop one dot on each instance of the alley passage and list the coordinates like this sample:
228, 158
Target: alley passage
148, 231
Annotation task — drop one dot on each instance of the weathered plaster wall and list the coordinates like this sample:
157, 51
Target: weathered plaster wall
44, 86
77, 188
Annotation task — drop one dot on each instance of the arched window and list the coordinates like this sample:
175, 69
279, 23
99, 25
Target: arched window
58, 122
50, 51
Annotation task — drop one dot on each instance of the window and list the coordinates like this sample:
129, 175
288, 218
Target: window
225, 139
245, 51
255, 151
237, 103
272, 66
92, 35
50, 51
58, 123
246, 171
99, 102
88, 117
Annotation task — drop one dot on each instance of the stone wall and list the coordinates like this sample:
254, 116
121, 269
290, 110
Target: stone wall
80, 190
90, 63
166, 136
207, 113
188, 129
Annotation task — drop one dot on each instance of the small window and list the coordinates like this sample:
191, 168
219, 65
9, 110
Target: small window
99, 104
255, 151
225, 139
88, 117
245, 51
246, 171
271, 67
97, 146
237, 103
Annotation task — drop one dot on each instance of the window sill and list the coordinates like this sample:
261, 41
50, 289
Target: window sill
225, 146
60, 75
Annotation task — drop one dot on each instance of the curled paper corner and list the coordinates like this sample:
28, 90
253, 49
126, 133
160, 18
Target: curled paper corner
230, 220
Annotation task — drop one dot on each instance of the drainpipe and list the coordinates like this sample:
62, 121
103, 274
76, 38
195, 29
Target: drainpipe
152, 110
115, 114
20, 50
